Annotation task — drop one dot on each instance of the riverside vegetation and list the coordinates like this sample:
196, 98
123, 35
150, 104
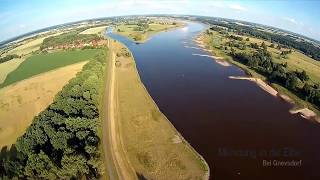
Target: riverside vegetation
268, 60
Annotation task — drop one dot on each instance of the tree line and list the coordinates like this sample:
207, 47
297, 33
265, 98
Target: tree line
261, 61
306, 47
8, 58
62, 142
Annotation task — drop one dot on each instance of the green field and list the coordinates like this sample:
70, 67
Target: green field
41, 63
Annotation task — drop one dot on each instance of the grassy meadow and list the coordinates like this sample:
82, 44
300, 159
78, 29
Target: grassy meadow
41, 63
295, 61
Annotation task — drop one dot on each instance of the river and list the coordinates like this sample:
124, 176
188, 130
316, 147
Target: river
237, 127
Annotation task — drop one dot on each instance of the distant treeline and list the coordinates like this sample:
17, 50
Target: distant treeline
62, 141
261, 61
305, 47
8, 58
68, 38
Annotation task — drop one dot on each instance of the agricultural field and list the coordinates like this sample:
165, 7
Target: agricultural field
41, 63
95, 30
8, 67
29, 46
19, 103
64, 134
141, 33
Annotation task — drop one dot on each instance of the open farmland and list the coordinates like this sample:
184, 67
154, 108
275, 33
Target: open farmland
95, 30
8, 67
19, 103
29, 46
45, 62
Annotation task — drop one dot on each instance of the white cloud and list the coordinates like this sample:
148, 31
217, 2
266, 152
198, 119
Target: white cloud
293, 21
290, 20
237, 7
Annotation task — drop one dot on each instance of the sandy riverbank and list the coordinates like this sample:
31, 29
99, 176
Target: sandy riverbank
220, 60
260, 83
304, 112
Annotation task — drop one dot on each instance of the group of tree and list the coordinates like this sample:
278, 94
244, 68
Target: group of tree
141, 27
73, 37
261, 61
288, 41
8, 58
239, 38
62, 142
284, 54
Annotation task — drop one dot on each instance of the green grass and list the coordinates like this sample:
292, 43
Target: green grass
41, 63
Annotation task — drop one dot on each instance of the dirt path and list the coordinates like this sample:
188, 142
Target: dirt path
117, 165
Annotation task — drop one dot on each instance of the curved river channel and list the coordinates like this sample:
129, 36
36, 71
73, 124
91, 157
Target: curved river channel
240, 130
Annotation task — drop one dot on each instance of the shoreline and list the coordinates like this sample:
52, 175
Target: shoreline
259, 82
220, 60
304, 112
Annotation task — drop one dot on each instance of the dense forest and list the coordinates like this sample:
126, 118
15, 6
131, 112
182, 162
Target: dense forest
287, 41
68, 38
62, 141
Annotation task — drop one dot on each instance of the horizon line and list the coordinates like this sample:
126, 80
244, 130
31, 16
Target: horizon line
9, 40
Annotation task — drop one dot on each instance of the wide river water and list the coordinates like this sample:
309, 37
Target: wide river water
237, 127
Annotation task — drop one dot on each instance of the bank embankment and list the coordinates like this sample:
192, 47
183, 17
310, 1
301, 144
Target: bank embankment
155, 149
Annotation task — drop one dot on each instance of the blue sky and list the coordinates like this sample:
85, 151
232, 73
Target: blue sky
20, 16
